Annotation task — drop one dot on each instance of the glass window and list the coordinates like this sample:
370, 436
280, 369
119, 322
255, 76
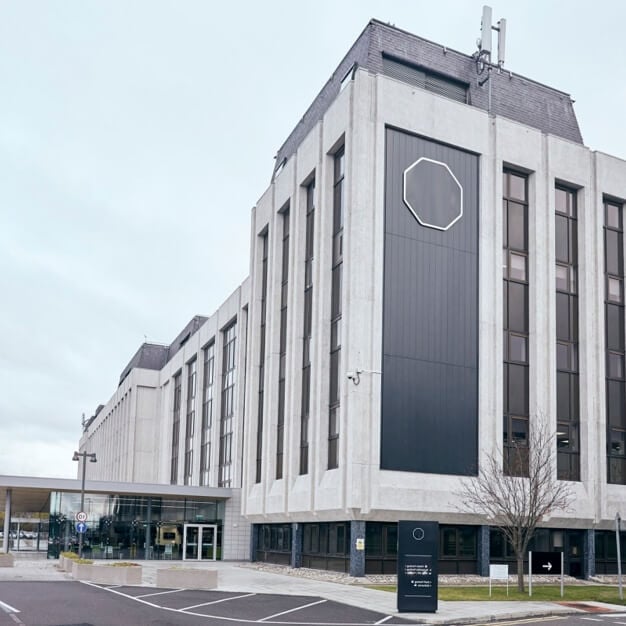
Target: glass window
518, 389
614, 290
613, 216
516, 226
616, 365
517, 187
517, 267
518, 348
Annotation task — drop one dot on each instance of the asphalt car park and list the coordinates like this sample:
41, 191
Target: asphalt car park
87, 604
254, 607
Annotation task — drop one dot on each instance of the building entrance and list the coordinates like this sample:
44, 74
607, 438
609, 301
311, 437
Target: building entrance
199, 542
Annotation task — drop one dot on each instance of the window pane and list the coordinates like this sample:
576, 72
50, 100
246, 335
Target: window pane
614, 327
563, 330
616, 365
518, 389
614, 290
562, 277
561, 198
563, 396
517, 351
561, 239
517, 269
613, 256
613, 216
615, 408
517, 226
520, 432
517, 187
518, 307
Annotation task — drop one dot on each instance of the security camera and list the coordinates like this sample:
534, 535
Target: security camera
350, 375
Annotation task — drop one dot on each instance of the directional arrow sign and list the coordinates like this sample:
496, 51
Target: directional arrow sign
81, 527
546, 563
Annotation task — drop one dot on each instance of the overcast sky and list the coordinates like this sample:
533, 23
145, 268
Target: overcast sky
135, 136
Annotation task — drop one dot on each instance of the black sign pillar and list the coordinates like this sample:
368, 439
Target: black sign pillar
418, 554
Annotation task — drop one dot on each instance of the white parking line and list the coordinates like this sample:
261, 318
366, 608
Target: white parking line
298, 608
159, 593
592, 619
195, 606
7, 608
382, 621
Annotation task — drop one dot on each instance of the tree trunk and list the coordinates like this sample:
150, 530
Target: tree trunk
520, 574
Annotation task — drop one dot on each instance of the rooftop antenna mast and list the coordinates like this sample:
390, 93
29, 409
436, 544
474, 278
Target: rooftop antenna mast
483, 55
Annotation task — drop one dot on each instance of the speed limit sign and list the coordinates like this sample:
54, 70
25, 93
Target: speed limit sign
81, 517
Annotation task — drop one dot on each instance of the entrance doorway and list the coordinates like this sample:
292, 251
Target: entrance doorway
199, 542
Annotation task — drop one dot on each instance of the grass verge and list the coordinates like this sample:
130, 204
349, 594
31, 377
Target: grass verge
550, 593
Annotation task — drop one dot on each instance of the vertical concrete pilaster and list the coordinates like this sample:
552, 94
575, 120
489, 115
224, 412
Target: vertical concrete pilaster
357, 557
297, 533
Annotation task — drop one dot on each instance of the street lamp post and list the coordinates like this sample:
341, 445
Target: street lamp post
92, 458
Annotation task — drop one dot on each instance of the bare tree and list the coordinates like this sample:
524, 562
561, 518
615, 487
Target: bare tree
517, 490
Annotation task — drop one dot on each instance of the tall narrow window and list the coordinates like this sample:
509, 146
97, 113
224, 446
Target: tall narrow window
175, 428
259, 428
282, 363
515, 323
307, 328
567, 394
191, 418
228, 406
207, 413
614, 334
335, 309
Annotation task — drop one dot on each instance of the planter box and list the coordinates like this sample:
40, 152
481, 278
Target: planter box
108, 574
6, 559
80, 571
186, 578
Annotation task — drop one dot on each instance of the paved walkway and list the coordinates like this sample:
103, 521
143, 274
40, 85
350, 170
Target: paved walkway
246, 577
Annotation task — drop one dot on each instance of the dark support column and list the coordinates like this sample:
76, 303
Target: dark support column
357, 557
589, 553
148, 550
483, 551
254, 541
7, 521
297, 533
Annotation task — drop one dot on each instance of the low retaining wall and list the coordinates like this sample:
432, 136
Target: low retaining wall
180, 578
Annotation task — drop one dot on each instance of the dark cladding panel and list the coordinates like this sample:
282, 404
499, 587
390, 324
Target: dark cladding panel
430, 328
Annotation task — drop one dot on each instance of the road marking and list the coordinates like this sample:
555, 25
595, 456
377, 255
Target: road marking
298, 608
159, 593
195, 606
529, 620
7, 608
236, 620
382, 621
592, 619
619, 622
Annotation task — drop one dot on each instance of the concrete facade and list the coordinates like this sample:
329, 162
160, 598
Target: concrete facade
529, 128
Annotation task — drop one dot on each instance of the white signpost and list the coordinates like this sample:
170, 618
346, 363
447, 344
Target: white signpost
499, 572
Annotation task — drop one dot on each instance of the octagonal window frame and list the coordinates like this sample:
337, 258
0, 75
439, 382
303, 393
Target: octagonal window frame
406, 202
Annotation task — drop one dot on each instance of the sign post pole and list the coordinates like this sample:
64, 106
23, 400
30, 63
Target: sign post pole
530, 574
618, 519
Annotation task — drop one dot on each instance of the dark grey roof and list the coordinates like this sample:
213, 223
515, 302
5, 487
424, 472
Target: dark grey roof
515, 97
153, 356
150, 356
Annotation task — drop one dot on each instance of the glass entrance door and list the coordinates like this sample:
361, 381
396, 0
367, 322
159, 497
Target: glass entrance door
190, 547
200, 542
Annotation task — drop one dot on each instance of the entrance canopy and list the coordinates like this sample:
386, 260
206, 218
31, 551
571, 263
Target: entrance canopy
127, 515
